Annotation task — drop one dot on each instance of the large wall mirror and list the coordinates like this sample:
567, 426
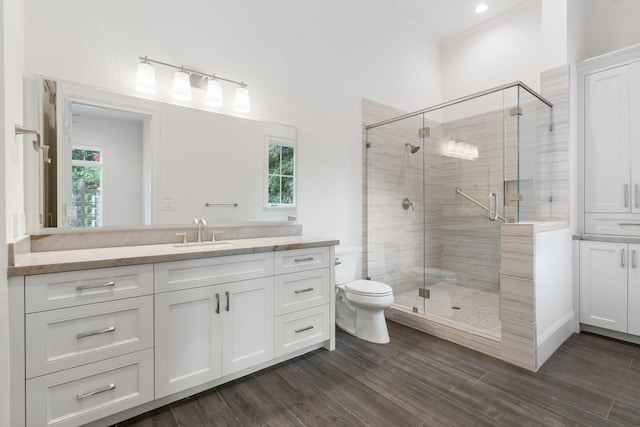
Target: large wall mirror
121, 161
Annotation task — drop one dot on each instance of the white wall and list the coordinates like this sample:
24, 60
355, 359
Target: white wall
504, 49
605, 26
14, 145
11, 68
306, 63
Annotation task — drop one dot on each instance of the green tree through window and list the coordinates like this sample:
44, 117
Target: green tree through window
86, 182
281, 174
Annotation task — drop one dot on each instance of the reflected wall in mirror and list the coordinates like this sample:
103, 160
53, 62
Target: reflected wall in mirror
121, 160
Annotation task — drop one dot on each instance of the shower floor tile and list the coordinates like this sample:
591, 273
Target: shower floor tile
474, 308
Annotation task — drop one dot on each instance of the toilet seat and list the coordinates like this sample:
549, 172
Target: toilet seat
368, 288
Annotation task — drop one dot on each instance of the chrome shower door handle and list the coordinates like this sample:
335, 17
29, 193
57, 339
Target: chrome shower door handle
492, 216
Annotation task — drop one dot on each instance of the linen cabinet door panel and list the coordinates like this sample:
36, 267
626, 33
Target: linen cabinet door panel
68, 337
607, 156
247, 324
187, 333
633, 289
603, 285
634, 133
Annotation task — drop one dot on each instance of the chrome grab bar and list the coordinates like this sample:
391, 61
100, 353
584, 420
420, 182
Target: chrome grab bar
492, 214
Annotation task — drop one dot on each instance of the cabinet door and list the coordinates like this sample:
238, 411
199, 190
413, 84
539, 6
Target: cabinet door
634, 133
606, 134
603, 285
187, 333
633, 304
248, 323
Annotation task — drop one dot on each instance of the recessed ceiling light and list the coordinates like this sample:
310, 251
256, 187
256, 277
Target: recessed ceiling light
482, 7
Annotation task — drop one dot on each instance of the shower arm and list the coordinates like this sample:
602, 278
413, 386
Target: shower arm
474, 201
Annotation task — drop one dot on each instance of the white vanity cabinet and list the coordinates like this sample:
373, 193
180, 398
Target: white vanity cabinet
303, 294
88, 344
610, 286
208, 332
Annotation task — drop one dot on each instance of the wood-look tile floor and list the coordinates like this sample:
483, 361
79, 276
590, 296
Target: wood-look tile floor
420, 380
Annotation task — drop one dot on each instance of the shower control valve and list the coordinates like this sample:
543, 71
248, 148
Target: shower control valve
406, 203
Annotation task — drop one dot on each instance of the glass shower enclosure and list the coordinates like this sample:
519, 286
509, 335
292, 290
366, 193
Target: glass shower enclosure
439, 184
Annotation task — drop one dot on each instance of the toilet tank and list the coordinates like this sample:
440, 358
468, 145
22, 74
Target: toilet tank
347, 269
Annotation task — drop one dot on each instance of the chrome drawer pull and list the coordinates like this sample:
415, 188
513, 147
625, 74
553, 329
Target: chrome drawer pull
623, 224
227, 295
82, 394
100, 332
633, 259
303, 259
95, 285
217, 303
297, 331
622, 258
299, 291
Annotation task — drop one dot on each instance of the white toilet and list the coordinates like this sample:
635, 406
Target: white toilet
360, 304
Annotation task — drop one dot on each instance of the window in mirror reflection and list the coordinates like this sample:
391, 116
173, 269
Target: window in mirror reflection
281, 173
86, 183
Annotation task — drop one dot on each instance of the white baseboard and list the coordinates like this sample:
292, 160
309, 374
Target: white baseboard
553, 338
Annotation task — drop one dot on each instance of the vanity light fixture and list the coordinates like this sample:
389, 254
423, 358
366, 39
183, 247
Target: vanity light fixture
242, 104
182, 86
214, 93
146, 78
146, 83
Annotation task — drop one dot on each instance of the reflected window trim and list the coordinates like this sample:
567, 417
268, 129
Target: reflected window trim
270, 141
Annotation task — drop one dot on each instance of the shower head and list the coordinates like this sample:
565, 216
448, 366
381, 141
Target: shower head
414, 148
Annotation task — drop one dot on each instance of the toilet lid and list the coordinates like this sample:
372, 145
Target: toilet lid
368, 288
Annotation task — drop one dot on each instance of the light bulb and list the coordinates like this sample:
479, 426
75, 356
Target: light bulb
146, 79
214, 93
481, 8
181, 86
242, 103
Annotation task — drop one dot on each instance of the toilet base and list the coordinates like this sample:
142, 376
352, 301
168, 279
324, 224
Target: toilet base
369, 326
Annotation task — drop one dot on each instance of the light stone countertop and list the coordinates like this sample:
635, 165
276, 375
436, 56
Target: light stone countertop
82, 259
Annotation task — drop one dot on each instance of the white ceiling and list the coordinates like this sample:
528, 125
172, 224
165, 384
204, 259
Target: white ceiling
443, 19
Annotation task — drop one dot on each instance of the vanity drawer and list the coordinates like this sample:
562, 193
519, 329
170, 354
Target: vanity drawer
301, 329
65, 338
60, 290
176, 275
298, 291
301, 259
89, 392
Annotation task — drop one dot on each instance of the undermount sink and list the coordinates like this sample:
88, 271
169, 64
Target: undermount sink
197, 244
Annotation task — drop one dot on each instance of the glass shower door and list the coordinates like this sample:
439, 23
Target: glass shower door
394, 213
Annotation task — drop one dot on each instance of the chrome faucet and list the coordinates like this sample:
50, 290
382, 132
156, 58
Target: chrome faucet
202, 226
